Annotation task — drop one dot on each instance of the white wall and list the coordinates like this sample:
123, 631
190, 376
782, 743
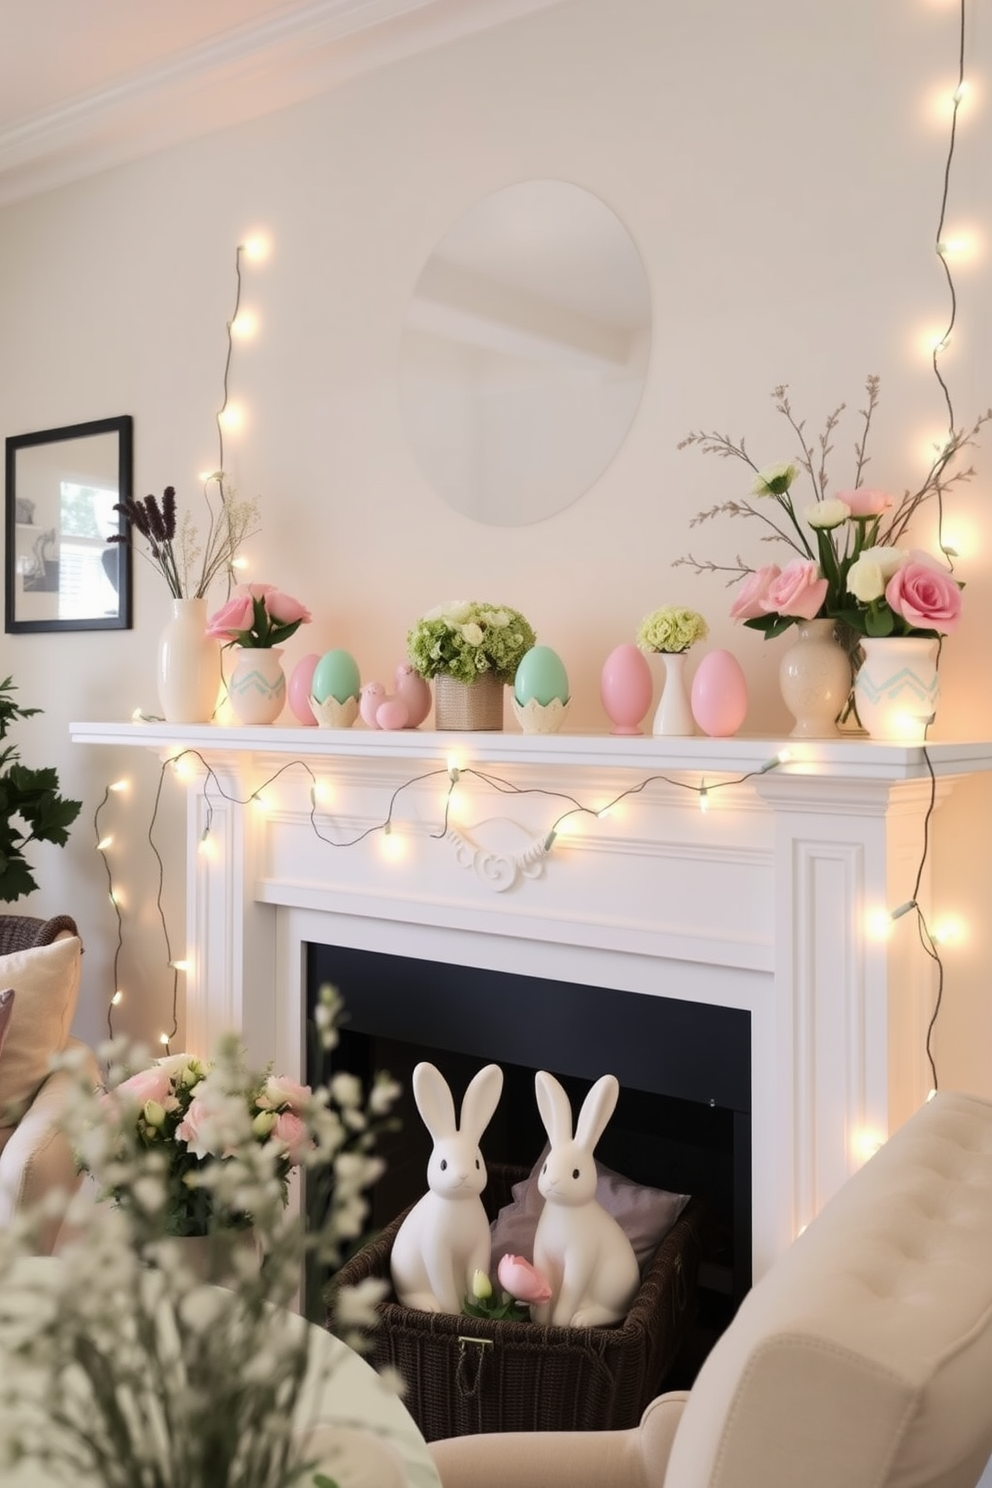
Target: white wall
779, 167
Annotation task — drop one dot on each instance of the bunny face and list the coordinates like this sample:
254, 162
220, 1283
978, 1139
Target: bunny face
456, 1169
568, 1176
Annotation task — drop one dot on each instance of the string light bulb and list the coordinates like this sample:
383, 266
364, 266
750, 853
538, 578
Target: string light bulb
117, 998
104, 843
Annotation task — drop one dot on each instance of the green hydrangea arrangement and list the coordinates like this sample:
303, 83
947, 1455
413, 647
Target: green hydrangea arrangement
671, 629
464, 638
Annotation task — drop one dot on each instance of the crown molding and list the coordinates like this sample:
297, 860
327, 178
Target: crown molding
250, 71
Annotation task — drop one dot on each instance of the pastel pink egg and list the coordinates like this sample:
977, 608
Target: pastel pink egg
300, 683
719, 694
392, 714
625, 688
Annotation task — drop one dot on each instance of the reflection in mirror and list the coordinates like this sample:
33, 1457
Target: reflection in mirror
62, 487
524, 352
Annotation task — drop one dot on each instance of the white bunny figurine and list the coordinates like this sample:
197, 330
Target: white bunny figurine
445, 1238
589, 1262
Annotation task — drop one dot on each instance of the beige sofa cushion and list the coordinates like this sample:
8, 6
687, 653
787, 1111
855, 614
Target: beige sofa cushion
864, 1356
45, 980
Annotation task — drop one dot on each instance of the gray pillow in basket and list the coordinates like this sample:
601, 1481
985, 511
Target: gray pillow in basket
644, 1214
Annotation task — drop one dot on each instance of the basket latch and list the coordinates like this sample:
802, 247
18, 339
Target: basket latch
469, 1376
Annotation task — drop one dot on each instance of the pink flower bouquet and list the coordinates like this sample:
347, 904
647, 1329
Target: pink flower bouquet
174, 1110
849, 565
258, 615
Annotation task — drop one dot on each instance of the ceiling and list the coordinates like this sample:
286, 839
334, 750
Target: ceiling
86, 84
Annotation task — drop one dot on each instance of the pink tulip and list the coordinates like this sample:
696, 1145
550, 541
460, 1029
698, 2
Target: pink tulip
865, 503
290, 1131
752, 590
924, 595
235, 616
799, 591
522, 1280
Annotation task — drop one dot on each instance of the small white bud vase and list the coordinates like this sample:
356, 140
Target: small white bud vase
896, 687
189, 673
673, 715
815, 680
257, 688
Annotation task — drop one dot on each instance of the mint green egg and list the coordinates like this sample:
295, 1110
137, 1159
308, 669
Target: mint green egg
541, 675
336, 676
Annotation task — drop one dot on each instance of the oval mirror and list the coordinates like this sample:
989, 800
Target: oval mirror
524, 352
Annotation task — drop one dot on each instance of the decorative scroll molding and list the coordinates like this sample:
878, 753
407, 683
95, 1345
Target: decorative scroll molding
498, 867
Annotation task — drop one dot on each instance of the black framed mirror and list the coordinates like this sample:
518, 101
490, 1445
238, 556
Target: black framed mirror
62, 573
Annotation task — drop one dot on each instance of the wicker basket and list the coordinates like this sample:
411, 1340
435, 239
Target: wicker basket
466, 1374
469, 705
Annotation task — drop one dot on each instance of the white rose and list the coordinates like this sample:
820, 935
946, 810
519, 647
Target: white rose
472, 633
865, 581
889, 560
827, 514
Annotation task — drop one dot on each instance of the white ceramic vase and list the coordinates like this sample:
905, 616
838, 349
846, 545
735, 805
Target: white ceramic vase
896, 687
673, 715
189, 673
257, 687
815, 680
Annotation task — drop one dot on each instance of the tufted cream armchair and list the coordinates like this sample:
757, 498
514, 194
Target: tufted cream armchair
862, 1359
40, 960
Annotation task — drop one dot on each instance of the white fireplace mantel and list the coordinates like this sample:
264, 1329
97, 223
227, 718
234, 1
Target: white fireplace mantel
765, 902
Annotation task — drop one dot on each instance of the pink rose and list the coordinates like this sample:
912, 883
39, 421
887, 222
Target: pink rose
798, 591
522, 1280
278, 1091
284, 609
150, 1084
189, 1129
235, 616
291, 1133
752, 590
924, 595
865, 503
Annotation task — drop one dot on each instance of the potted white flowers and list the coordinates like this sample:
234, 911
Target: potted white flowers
470, 651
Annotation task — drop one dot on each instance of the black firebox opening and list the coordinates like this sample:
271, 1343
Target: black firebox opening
683, 1118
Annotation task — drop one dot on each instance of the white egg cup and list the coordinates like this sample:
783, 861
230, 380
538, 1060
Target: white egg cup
540, 718
332, 714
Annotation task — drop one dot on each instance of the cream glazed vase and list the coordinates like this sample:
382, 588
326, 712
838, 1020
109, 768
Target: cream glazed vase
815, 680
896, 687
189, 672
673, 715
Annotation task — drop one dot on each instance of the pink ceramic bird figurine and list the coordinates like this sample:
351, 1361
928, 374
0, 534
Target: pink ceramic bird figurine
414, 690
369, 699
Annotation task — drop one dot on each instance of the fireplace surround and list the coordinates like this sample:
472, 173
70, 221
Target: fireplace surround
762, 904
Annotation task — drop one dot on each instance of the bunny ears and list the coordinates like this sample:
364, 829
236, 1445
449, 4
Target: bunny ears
437, 1107
556, 1110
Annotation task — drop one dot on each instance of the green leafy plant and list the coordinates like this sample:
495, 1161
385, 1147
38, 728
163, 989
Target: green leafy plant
463, 639
31, 809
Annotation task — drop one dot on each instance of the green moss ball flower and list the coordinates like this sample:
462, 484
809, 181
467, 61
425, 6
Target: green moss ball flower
671, 629
464, 638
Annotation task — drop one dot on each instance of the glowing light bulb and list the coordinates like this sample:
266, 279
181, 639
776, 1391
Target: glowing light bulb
240, 563
117, 998
704, 798
245, 325
930, 1096
231, 417
104, 843
948, 931
163, 1039
878, 924
257, 247
120, 785
392, 845
179, 965
867, 1143
260, 803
